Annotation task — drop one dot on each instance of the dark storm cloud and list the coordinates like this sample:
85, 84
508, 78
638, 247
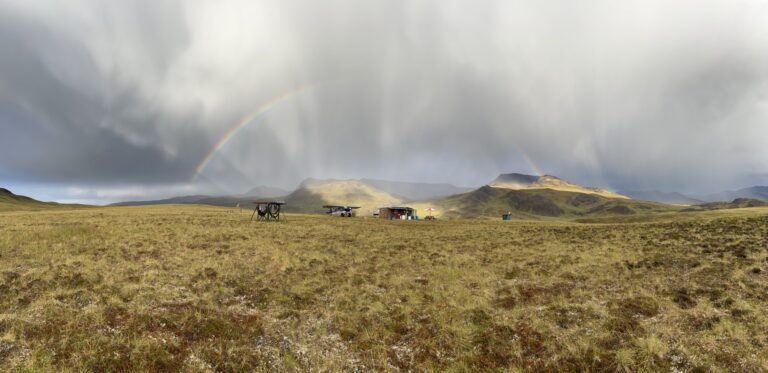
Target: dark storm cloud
66, 118
629, 95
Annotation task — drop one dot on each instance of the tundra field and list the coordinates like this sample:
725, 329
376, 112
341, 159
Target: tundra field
197, 289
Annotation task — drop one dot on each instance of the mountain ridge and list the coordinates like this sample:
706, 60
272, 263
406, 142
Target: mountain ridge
516, 181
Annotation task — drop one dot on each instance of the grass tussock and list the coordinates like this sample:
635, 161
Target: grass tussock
203, 289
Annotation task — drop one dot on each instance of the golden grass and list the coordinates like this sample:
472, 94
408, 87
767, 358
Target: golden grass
203, 289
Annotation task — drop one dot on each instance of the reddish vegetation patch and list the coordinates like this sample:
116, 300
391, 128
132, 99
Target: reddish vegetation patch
505, 346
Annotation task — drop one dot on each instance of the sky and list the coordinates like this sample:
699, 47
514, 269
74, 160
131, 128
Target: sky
102, 101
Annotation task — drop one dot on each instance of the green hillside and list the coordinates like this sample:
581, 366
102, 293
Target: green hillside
14, 202
488, 201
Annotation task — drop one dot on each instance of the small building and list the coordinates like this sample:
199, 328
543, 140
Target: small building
397, 213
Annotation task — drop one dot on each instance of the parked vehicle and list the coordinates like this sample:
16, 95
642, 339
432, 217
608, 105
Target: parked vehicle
341, 211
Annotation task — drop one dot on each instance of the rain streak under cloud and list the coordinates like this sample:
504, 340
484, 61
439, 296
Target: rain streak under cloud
102, 101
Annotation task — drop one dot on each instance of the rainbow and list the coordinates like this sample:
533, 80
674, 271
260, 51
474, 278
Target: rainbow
243, 123
528, 160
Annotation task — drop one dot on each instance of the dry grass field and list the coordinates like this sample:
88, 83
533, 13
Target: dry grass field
201, 289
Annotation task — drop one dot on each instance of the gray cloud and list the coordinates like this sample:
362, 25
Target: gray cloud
637, 95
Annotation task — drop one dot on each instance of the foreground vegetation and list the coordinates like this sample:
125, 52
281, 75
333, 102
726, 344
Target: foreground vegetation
203, 289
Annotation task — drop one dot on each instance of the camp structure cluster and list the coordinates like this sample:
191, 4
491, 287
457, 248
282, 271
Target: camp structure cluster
269, 210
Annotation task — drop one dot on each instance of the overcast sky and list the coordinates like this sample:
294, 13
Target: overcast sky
111, 100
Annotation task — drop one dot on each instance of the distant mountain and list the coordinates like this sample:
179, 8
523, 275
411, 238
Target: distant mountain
415, 191
312, 194
167, 201
14, 202
673, 198
756, 192
535, 197
516, 181
224, 201
735, 204
488, 201
243, 199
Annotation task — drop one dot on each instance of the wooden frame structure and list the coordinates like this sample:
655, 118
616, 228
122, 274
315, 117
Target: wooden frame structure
267, 210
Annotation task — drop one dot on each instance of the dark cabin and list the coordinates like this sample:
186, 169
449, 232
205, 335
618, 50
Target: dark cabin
397, 213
